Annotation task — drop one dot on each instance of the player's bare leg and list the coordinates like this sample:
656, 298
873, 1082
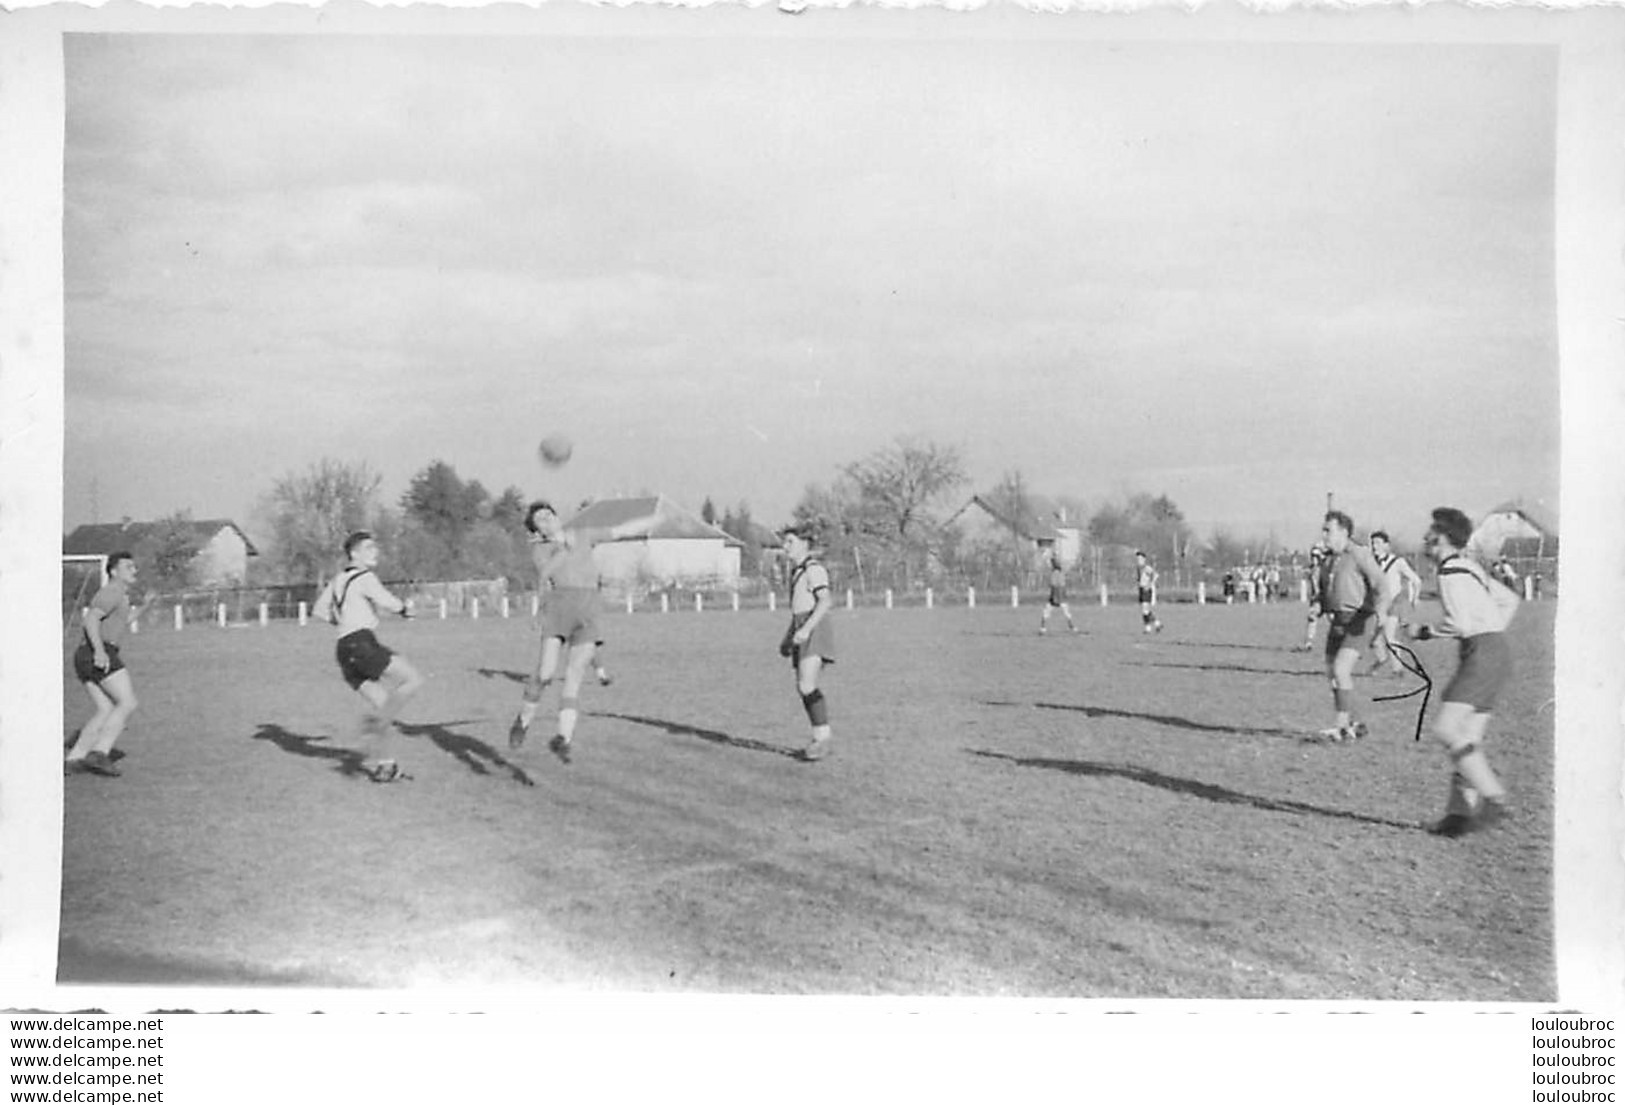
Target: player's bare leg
1477, 797
90, 732
547, 662
812, 700
575, 673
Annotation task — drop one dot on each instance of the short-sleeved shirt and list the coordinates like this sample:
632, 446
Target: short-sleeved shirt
806, 580
1146, 576
569, 563
112, 605
1351, 580
354, 595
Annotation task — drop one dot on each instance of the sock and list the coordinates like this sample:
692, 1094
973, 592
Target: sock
1340, 703
1473, 766
567, 717
817, 712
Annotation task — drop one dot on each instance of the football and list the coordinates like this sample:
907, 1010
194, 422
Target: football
554, 450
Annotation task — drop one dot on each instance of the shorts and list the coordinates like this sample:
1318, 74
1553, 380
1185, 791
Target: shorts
1346, 630
84, 663
821, 643
1484, 667
1145, 594
362, 658
571, 615
1057, 596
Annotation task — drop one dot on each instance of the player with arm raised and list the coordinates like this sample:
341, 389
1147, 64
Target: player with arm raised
809, 642
1477, 611
350, 602
1356, 595
1406, 585
568, 578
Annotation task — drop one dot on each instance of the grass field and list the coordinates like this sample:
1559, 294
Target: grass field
1107, 815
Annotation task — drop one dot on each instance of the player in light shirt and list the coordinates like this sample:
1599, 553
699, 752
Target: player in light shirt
1477, 611
809, 642
1406, 585
384, 678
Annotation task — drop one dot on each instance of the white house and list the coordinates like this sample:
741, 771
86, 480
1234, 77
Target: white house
681, 550
222, 559
1515, 529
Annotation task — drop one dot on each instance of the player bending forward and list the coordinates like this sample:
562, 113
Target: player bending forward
351, 601
568, 617
1477, 611
809, 643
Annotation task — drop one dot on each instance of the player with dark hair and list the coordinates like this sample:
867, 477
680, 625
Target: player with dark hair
1477, 611
1145, 580
1356, 595
1056, 599
568, 578
100, 669
809, 642
350, 602
1407, 585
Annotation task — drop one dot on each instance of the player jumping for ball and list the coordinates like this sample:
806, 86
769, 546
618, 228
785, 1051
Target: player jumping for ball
1057, 597
1145, 579
568, 617
1477, 611
1355, 594
809, 642
351, 601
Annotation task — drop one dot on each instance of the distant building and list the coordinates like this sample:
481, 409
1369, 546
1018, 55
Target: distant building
982, 522
682, 550
1516, 531
222, 559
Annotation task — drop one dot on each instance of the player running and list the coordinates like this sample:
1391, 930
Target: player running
1406, 585
809, 642
100, 669
1145, 578
1355, 593
351, 601
1477, 611
1057, 597
568, 578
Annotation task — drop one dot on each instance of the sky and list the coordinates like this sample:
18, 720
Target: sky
1240, 275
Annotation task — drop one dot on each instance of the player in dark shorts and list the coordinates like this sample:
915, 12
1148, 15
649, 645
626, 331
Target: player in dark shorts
385, 679
1477, 611
1356, 595
1145, 579
1317, 560
1056, 599
100, 669
809, 642
568, 620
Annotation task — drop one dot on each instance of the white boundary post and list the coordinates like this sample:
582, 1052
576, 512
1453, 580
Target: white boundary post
180, 618
665, 603
1105, 596
772, 601
474, 609
536, 604
699, 603
220, 614
929, 598
442, 609
504, 606
1015, 597
265, 614
304, 614
888, 598
736, 602
1529, 588
1201, 592
1303, 590
849, 598
970, 598
629, 602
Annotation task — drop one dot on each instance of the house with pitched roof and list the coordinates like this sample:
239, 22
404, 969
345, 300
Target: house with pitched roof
981, 521
1516, 530
682, 549
222, 559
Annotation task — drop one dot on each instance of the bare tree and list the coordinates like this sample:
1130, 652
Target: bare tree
310, 513
896, 489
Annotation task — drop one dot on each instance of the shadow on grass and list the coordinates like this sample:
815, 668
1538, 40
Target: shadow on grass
1227, 667
1160, 719
680, 730
78, 962
503, 673
474, 754
1229, 644
346, 761
1209, 791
